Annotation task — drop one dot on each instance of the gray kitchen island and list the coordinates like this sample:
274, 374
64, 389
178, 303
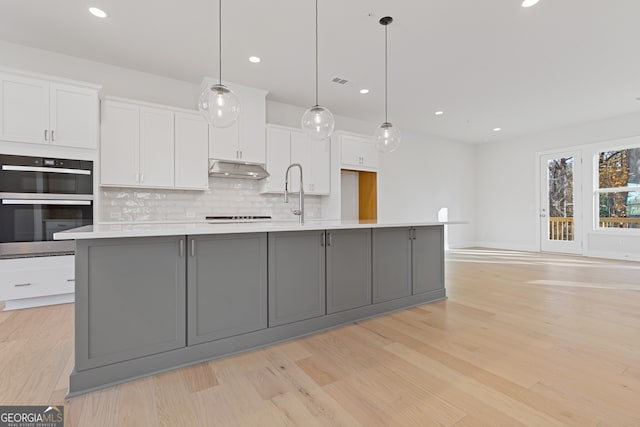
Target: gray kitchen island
153, 297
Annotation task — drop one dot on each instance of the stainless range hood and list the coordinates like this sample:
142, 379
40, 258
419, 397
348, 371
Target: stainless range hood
224, 169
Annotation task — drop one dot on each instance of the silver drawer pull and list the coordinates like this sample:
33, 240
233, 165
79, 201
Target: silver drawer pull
71, 280
18, 285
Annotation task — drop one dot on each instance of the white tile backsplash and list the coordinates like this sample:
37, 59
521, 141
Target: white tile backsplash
225, 196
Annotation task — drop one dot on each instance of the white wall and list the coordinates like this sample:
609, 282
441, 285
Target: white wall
116, 81
426, 174
507, 187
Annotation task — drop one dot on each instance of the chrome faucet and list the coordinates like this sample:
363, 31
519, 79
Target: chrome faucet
300, 210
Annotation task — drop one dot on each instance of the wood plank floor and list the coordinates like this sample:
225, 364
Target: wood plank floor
524, 339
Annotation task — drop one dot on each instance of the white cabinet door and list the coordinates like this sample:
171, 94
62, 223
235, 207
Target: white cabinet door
278, 158
74, 116
156, 147
358, 153
25, 110
252, 126
301, 153
120, 143
191, 152
223, 142
244, 141
321, 167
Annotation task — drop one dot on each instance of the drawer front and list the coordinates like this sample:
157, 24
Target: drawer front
28, 284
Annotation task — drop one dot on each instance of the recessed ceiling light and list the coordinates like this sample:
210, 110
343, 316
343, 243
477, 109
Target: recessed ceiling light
439, 113
497, 129
529, 3
98, 12
364, 91
254, 59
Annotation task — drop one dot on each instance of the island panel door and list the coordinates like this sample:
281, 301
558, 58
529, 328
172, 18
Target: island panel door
428, 259
130, 299
391, 263
296, 276
227, 285
348, 269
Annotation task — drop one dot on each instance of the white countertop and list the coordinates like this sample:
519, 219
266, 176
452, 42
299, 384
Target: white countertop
115, 230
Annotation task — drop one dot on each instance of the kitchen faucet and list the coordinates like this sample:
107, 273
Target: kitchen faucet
300, 210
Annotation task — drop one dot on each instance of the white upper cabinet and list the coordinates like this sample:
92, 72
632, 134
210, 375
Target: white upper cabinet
244, 141
321, 167
300, 153
191, 154
46, 112
288, 145
74, 116
225, 142
25, 110
156, 147
151, 146
358, 153
120, 144
278, 158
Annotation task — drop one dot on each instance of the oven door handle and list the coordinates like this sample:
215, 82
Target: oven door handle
44, 169
46, 202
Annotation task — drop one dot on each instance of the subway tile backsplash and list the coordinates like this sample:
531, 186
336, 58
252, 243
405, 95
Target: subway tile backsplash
225, 197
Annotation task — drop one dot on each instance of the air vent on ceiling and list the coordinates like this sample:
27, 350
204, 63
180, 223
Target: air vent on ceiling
340, 81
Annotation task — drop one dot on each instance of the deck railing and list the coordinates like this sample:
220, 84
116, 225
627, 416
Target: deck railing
620, 222
562, 228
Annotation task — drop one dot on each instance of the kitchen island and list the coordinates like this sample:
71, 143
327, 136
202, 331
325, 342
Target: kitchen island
153, 297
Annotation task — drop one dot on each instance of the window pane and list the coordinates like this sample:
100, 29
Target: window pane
560, 175
619, 168
620, 209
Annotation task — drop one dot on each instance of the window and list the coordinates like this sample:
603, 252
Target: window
618, 191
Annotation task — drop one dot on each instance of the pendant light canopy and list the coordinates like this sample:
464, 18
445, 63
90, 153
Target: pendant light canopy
387, 136
219, 105
318, 122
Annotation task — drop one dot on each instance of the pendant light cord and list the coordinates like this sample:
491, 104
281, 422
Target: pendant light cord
317, 53
386, 120
220, 41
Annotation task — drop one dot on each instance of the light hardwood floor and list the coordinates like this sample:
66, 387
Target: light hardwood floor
524, 339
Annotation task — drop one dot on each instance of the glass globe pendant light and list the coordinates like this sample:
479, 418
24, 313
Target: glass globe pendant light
387, 136
219, 105
318, 122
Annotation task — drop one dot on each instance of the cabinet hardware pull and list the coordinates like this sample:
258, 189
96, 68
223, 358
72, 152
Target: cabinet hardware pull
53, 135
181, 249
330, 239
18, 285
193, 248
141, 177
46, 133
240, 153
322, 242
71, 280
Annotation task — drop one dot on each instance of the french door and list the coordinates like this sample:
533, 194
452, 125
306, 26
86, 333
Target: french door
560, 202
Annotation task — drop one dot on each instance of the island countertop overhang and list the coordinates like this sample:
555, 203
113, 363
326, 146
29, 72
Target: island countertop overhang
121, 230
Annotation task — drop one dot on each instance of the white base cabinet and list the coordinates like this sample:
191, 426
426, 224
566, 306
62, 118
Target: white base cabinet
33, 282
40, 111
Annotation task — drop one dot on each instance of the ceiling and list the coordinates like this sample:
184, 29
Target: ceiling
486, 64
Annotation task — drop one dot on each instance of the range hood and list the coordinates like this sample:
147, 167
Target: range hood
224, 169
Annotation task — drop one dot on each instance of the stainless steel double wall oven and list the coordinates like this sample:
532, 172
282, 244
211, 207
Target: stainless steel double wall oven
39, 197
